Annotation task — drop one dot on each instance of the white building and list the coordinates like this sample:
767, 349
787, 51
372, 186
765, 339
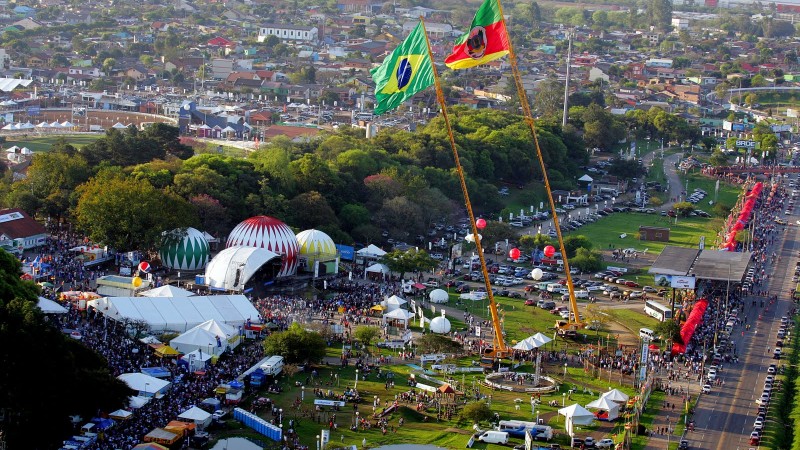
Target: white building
433, 29
289, 33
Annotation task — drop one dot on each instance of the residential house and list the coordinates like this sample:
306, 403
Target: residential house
188, 64
27, 24
434, 30
221, 68
222, 42
137, 72
359, 6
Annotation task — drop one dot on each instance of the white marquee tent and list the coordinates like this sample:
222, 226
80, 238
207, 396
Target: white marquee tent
198, 339
378, 268
50, 307
178, 314
393, 302
615, 395
221, 272
197, 360
398, 316
167, 291
145, 385
225, 332
371, 251
605, 404
197, 416
576, 415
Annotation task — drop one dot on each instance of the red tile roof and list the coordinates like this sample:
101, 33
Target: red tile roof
22, 227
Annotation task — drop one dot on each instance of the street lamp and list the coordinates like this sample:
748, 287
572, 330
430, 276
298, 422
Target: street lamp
302, 393
537, 417
564, 399
565, 370
280, 417
356, 385
317, 442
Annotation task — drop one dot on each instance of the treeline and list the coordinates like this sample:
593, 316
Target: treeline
128, 186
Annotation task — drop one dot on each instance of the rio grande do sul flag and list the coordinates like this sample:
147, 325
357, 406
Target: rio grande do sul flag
485, 41
405, 72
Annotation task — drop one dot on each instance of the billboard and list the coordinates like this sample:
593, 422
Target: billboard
346, 252
682, 282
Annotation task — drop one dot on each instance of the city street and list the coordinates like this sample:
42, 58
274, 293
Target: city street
724, 418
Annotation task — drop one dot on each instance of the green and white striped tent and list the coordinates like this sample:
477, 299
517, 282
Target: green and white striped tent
184, 249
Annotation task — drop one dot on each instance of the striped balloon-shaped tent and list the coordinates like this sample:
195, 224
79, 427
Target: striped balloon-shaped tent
184, 249
316, 245
271, 234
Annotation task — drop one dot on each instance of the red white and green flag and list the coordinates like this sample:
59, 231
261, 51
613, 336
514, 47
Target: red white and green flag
486, 40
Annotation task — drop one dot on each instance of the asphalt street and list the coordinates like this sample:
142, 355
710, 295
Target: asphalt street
724, 418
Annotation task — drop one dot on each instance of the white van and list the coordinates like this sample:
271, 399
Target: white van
494, 437
273, 366
646, 333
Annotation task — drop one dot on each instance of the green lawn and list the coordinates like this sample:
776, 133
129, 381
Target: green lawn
43, 143
728, 193
686, 233
632, 319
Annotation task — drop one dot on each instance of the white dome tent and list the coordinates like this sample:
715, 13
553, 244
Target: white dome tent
233, 267
438, 296
315, 247
440, 324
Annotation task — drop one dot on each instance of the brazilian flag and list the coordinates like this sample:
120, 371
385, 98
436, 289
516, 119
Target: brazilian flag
405, 72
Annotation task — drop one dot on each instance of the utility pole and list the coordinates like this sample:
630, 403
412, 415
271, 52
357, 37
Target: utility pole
566, 81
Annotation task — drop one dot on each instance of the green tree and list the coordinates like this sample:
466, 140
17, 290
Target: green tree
625, 168
574, 242
683, 208
718, 159
549, 99
668, 330
353, 215
437, 343
311, 210
411, 260
128, 214
62, 370
366, 334
297, 345
587, 260
476, 412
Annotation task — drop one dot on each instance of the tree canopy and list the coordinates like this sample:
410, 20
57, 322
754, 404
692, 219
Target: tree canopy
64, 378
297, 345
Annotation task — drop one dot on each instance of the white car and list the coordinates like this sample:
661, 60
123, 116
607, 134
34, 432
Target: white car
706, 389
605, 443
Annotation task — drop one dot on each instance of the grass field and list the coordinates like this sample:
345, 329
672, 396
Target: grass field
728, 193
43, 143
632, 319
686, 232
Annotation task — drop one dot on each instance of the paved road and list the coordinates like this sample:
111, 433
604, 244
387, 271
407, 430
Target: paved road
724, 418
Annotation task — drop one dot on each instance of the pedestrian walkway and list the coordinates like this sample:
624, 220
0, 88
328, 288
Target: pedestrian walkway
663, 429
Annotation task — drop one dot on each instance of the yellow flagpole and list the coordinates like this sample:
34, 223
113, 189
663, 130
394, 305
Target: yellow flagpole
526, 108
499, 344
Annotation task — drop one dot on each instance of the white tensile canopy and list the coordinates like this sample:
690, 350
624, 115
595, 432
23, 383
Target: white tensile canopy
149, 340
27, 126
607, 405
13, 149
43, 125
50, 307
228, 129
204, 127
615, 395
209, 238
26, 151
55, 124
137, 401
67, 124
118, 126
196, 415
167, 291
371, 251
543, 338
378, 268
178, 314
225, 332
525, 345
221, 272
145, 385
438, 296
586, 178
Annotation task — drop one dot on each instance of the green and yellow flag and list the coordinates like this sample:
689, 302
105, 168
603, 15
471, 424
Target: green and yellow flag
405, 72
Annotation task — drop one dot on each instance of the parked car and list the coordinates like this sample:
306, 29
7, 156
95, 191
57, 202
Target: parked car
605, 443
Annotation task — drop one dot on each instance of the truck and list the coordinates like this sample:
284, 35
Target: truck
272, 366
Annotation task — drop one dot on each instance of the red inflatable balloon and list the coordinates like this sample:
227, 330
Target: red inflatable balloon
480, 223
514, 253
549, 251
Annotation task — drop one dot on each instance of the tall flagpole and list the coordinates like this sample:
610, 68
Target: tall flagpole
526, 108
499, 347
